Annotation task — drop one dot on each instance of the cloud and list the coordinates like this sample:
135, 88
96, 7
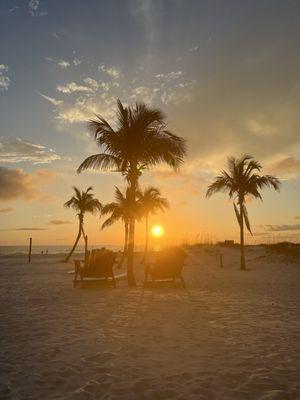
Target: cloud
52, 100
288, 167
170, 75
260, 126
18, 150
279, 228
4, 78
194, 49
16, 183
113, 72
35, 9
63, 64
73, 87
29, 229
6, 210
76, 61
59, 222
147, 14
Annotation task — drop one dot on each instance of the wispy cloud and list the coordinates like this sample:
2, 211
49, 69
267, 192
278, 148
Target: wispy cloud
288, 167
4, 78
29, 229
147, 14
52, 100
59, 222
73, 87
279, 228
113, 72
17, 150
35, 9
64, 64
6, 210
170, 75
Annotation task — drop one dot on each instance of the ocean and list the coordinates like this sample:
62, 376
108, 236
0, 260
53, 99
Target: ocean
53, 249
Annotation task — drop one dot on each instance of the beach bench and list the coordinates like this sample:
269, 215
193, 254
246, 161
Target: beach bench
97, 266
167, 267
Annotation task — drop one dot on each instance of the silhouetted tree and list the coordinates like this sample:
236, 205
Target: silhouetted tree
82, 202
150, 201
120, 209
241, 180
139, 141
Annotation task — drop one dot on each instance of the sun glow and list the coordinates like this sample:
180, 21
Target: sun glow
157, 231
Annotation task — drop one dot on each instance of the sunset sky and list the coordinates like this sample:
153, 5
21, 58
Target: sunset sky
226, 73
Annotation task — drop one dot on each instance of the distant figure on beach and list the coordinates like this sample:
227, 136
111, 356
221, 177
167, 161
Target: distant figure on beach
42, 252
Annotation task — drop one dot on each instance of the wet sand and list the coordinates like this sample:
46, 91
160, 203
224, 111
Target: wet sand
228, 335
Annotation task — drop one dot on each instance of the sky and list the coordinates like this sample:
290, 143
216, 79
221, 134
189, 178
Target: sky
226, 74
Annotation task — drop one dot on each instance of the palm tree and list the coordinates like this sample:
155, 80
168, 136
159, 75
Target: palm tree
150, 201
138, 141
82, 202
120, 209
241, 180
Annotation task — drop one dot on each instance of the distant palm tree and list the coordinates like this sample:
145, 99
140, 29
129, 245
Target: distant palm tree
120, 209
82, 202
139, 141
241, 180
150, 201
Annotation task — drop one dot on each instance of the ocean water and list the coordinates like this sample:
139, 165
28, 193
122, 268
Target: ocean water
7, 250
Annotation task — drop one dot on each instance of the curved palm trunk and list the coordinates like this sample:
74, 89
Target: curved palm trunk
146, 237
125, 246
130, 249
76, 241
243, 262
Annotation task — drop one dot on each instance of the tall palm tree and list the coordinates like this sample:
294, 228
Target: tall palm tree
150, 201
120, 209
82, 202
138, 141
241, 180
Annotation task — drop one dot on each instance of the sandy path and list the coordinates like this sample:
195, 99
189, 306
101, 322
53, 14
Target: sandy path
230, 335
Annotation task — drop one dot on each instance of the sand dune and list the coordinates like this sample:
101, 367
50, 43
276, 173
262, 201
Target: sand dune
229, 335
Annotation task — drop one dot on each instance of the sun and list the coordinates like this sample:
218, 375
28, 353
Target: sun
157, 231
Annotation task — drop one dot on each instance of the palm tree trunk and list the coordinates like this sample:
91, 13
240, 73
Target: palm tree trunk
125, 246
76, 242
85, 240
130, 253
130, 249
146, 237
243, 262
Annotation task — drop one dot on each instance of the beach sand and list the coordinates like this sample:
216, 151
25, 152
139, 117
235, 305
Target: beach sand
228, 335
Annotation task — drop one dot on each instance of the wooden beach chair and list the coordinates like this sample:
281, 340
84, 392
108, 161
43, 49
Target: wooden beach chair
97, 266
167, 267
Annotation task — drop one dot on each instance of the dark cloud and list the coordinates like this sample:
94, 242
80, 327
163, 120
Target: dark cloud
279, 228
15, 183
29, 229
59, 222
17, 150
6, 210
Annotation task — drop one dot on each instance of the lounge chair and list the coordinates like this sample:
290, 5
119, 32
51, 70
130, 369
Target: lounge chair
97, 266
168, 267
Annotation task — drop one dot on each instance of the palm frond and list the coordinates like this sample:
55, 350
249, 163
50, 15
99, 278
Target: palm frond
246, 218
237, 213
100, 161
